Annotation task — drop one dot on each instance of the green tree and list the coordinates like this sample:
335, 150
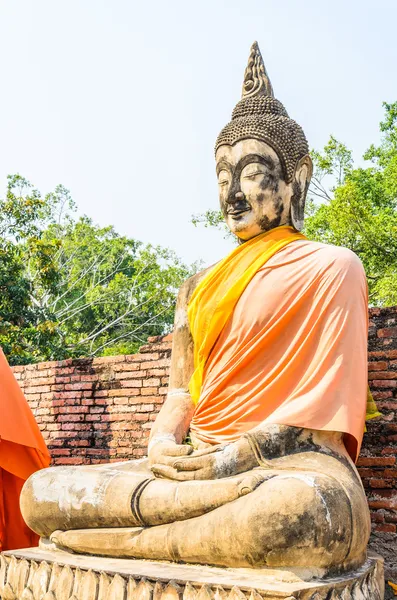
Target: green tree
358, 207
71, 288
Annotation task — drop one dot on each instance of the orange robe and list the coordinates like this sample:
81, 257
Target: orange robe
294, 351
22, 452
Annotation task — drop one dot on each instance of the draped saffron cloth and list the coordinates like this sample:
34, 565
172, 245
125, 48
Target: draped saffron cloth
22, 452
280, 334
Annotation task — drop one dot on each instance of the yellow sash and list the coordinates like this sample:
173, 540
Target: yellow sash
214, 299
372, 409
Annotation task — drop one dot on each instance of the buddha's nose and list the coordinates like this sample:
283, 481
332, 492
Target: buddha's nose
237, 197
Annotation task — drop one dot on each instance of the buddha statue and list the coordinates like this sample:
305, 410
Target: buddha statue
251, 458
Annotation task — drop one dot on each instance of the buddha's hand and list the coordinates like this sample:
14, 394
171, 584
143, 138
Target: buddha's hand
163, 450
215, 462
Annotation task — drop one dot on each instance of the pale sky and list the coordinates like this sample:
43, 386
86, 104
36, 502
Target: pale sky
121, 100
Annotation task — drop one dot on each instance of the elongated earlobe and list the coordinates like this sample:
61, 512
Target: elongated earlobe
303, 175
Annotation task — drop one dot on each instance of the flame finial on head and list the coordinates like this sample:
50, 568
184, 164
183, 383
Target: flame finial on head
256, 79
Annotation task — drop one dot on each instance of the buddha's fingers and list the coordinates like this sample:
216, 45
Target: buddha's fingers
178, 450
168, 472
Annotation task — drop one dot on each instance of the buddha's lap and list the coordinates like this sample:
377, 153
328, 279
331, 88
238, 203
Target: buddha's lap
291, 518
295, 504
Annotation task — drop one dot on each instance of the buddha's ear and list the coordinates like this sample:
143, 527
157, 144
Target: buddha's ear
303, 175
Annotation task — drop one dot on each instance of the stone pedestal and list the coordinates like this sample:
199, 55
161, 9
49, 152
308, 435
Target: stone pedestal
37, 574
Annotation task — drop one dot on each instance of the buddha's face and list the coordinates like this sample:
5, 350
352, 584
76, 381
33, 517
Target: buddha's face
253, 194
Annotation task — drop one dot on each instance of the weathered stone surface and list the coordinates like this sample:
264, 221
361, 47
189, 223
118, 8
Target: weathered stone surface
25, 575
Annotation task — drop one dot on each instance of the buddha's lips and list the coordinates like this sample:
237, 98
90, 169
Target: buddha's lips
237, 213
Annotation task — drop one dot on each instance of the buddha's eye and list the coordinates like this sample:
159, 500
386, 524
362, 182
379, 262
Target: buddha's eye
252, 171
223, 178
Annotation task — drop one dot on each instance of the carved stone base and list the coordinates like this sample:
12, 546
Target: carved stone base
36, 574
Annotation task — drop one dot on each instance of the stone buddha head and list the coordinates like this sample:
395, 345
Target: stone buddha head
262, 160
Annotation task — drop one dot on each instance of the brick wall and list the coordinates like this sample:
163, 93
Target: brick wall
98, 410
377, 464
101, 410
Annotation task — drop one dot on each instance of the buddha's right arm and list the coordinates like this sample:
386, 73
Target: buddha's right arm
173, 421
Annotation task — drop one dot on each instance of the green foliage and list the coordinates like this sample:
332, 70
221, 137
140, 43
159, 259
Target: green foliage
360, 210
71, 288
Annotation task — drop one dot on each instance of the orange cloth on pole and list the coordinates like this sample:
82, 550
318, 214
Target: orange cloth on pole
294, 350
22, 452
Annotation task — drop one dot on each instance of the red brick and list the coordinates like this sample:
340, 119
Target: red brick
382, 375
131, 383
383, 354
127, 367
30, 397
73, 409
53, 427
78, 386
379, 504
377, 517
119, 393
47, 365
390, 473
65, 379
386, 528
37, 389
156, 372
60, 452
377, 366
385, 383
380, 395
70, 418
89, 377
101, 360
390, 517
64, 370
149, 391
381, 483
376, 461
97, 451
364, 472
159, 364
75, 460
121, 401
63, 395
131, 374
390, 450
41, 411
116, 426
141, 417
141, 357
101, 393
387, 332
79, 443
152, 382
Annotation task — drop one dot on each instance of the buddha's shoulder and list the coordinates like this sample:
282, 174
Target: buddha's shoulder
189, 285
333, 258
